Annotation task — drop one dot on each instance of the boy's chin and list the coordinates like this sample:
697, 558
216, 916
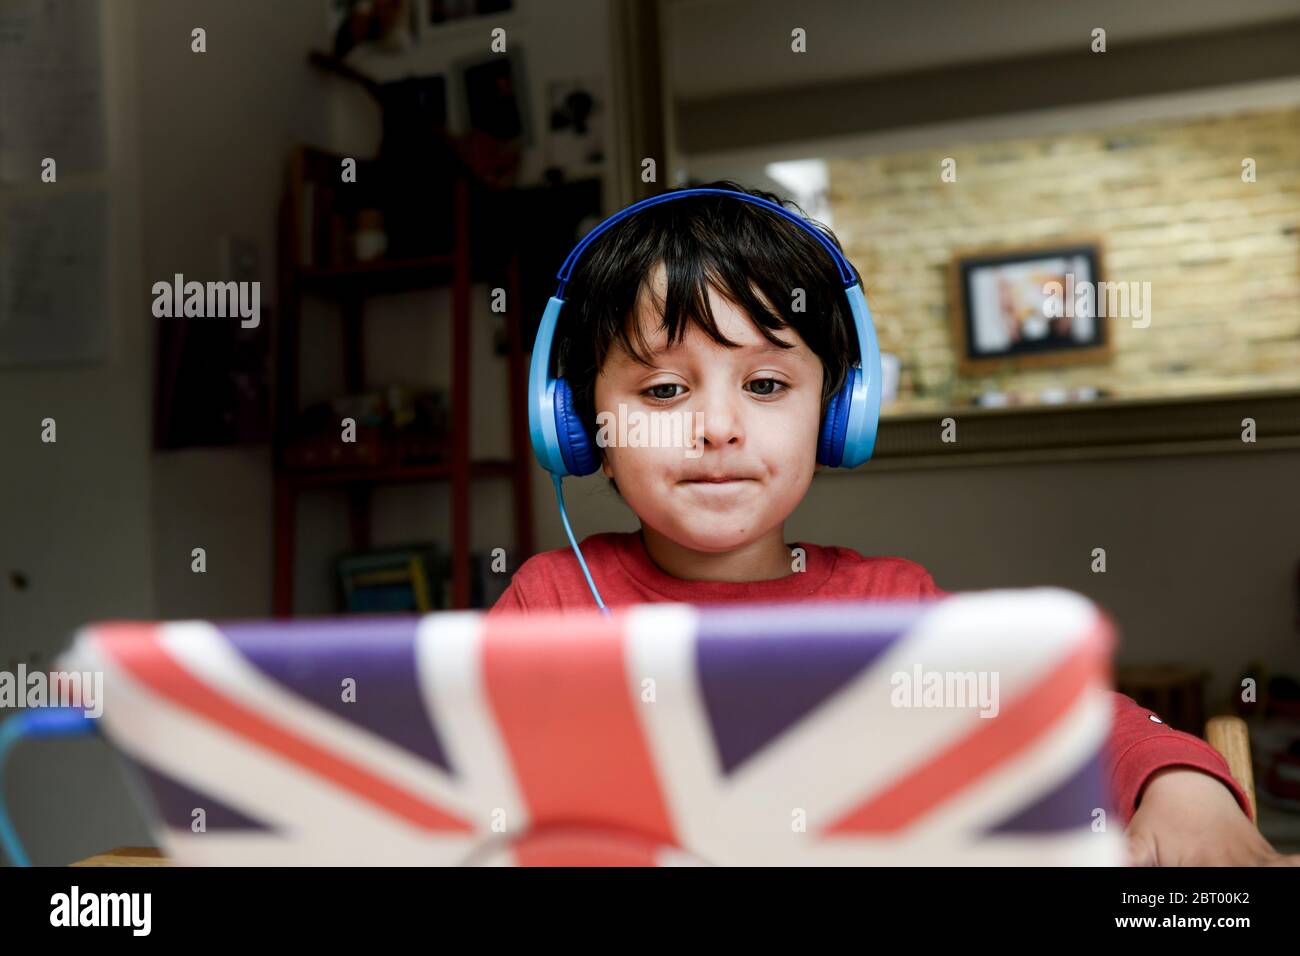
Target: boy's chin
714, 537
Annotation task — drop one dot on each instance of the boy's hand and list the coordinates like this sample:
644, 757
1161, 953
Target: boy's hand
1187, 818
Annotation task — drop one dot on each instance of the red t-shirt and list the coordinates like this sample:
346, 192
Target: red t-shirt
624, 573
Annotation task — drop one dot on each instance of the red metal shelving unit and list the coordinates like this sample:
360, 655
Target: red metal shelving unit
351, 284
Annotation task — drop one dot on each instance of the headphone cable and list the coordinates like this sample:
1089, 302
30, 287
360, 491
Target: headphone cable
45, 722
564, 517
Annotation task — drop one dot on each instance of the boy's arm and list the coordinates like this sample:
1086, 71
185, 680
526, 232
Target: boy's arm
1186, 817
550, 581
1173, 792
532, 588
1141, 746
1180, 805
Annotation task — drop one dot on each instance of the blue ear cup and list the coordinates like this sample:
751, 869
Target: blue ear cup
576, 446
859, 399
835, 425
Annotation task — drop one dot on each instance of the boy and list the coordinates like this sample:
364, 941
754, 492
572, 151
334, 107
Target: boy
687, 307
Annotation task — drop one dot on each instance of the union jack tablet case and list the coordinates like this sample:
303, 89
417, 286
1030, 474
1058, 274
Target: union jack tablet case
966, 730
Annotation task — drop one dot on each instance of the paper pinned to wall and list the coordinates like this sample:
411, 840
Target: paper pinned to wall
51, 88
54, 305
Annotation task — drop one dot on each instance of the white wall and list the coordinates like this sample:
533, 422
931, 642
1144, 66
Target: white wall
215, 150
101, 524
727, 46
1201, 551
76, 514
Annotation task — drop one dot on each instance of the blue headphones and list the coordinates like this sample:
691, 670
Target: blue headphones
561, 442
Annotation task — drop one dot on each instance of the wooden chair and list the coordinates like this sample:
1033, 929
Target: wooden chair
1231, 738
1177, 693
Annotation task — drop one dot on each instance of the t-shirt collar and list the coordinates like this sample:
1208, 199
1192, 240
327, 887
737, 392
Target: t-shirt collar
637, 564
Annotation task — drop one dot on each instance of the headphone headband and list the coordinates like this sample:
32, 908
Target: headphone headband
847, 275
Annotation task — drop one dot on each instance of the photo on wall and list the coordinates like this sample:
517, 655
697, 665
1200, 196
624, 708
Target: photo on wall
385, 26
494, 95
449, 11
575, 138
1029, 306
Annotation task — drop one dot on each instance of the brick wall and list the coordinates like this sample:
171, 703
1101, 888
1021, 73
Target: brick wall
1167, 202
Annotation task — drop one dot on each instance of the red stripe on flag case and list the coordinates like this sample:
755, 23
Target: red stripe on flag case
579, 848
140, 651
558, 687
996, 740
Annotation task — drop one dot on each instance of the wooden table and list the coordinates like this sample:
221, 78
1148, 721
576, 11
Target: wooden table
127, 856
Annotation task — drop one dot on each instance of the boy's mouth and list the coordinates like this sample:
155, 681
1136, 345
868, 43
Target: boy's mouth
716, 480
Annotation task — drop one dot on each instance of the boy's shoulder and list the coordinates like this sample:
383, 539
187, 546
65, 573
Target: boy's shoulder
554, 579
856, 574
596, 548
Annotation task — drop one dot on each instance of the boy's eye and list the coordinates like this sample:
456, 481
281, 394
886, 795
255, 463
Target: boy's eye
653, 391
768, 386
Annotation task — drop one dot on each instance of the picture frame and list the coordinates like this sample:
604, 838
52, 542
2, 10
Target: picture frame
383, 26
440, 13
212, 383
492, 95
1021, 307
575, 136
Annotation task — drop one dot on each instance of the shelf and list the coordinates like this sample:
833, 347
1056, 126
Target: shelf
379, 276
351, 284
383, 276
434, 471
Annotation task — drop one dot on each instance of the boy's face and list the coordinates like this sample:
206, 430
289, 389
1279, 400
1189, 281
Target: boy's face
754, 413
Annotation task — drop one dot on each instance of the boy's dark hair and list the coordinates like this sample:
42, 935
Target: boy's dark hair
703, 241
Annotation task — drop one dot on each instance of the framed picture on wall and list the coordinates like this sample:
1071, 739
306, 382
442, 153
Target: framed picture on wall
494, 95
449, 11
387, 26
1028, 306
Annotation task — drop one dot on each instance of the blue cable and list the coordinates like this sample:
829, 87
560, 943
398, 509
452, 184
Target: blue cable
43, 723
564, 517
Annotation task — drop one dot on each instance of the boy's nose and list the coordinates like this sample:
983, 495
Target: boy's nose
718, 422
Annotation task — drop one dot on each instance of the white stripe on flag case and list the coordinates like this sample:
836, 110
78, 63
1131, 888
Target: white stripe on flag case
206, 653
211, 761
449, 654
